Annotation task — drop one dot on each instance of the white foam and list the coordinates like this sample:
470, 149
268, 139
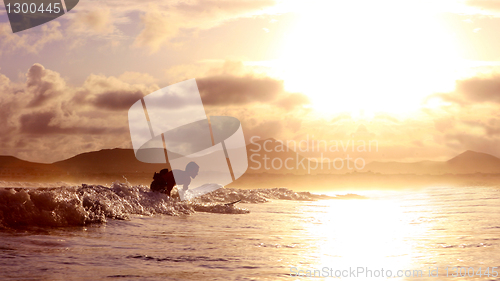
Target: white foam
85, 204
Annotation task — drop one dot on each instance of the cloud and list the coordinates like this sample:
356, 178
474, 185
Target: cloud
290, 101
111, 93
462, 141
31, 42
469, 119
263, 128
108, 24
38, 123
222, 7
41, 123
207, 68
225, 89
48, 119
480, 89
452, 98
233, 83
162, 25
484, 89
75, 28
117, 100
8, 106
43, 84
158, 29
222, 90
45, 119
132, 77
98, 21
444, 124
493, 5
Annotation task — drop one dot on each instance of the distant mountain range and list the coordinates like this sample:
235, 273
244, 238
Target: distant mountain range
468, 162
118, 163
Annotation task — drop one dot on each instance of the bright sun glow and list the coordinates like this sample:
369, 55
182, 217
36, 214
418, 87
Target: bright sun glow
368, 56
365, 233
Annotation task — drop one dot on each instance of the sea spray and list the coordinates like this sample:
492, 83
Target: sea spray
86, 204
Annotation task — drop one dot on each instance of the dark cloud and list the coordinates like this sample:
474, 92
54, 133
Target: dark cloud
472, 90
233, 90
117, 100
479, 89
111, 93
39, 123
226, 89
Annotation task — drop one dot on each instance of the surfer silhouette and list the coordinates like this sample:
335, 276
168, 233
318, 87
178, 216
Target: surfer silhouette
165, 181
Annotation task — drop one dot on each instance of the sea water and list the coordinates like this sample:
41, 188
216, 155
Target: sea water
122, 232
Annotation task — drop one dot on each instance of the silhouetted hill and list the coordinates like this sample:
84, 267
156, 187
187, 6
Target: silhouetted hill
12, 162
107, 161
423, 167
274, 157
468, 162
470, 156
472, 162
13, 166
111, 164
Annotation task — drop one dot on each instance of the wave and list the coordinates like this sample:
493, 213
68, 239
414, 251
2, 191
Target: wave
86, 204
31, 184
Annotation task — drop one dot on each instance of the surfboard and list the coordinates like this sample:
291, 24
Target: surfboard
232, 203
192, 193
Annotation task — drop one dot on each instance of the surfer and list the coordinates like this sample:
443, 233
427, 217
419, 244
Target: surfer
165, 181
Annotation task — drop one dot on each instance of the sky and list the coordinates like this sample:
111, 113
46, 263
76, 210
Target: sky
420, 77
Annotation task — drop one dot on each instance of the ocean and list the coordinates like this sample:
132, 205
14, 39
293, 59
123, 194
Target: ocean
122, 232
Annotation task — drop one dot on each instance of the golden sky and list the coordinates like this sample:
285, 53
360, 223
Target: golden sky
420, 77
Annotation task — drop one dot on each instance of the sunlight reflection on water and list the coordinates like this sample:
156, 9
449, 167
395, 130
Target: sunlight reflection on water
412, 230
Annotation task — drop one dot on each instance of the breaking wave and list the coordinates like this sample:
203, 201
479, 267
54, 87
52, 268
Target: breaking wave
86, 204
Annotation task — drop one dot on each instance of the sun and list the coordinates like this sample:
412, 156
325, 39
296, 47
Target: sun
368, 56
